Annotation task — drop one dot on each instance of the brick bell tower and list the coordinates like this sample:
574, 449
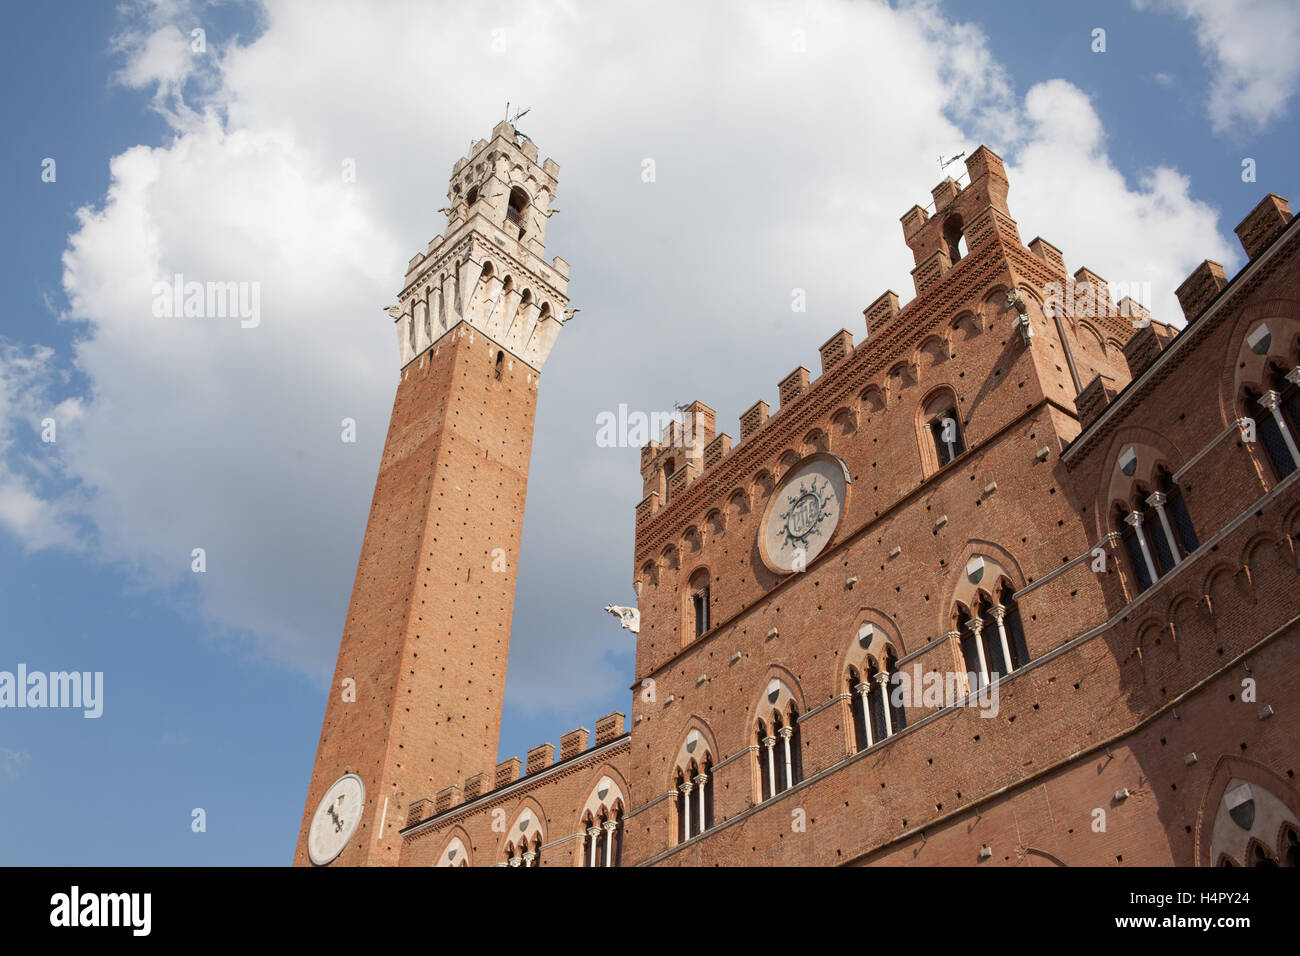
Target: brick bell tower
415, 705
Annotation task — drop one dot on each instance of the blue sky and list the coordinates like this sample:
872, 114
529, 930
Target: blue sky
775, 172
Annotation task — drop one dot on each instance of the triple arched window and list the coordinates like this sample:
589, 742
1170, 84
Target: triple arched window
779, 745
1156, 529
992, 636
526, 851
602, 837
694, 786
876, 714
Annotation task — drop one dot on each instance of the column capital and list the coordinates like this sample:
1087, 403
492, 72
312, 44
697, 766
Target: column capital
882, 678
769, 742
999, 612
1293, 376
785, 732
593, 832
687, 787
1269, 400
701, 779
529, 857
1133, 519
1157, 498
516, 861
975, 625
610, 826
863, 688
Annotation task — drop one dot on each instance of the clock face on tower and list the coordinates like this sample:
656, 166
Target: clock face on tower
336, 818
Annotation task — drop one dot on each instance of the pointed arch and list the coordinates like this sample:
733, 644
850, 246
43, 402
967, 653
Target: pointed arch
940, 429
456, 850
1245, 804
601, 819
521, 845
691, 778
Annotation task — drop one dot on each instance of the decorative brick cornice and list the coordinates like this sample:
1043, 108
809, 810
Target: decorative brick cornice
521, 787
869, 362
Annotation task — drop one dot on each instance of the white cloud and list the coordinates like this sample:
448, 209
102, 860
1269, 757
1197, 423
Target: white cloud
1250, 47
776, 169
1065, 188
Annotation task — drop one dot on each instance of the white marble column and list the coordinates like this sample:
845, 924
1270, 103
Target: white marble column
1157, 500
976, 627
864, 691
1134, 521
610, 826
786, 733
700, 781
882, 681
999, 616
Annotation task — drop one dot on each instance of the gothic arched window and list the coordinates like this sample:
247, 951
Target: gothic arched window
941, 422
694, 797
515, 211
602, 825
697, 608
1156, 529
992, 638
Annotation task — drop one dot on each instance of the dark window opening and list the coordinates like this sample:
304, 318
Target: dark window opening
954, 239
515, 210
701, 605
945, 429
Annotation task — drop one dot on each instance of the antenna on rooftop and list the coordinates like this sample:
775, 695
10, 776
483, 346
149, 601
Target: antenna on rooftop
945, 163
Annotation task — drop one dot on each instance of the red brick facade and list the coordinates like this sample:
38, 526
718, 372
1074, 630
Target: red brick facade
1090, 515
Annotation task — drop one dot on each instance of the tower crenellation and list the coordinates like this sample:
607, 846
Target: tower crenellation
487, 268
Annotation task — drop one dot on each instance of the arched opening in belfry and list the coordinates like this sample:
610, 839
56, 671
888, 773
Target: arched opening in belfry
515, 211
954, 239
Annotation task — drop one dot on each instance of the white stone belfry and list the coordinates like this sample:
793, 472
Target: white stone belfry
486, 270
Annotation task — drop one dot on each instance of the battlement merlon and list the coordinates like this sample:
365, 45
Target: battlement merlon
679, 450
573, 745
977, 212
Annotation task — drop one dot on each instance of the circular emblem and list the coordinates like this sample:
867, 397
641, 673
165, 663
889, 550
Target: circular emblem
806, 513
802, 513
